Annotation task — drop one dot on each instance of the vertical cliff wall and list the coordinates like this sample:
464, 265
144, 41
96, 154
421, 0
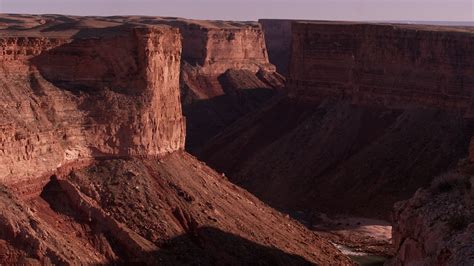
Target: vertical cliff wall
387, 65
210, 49
69, 99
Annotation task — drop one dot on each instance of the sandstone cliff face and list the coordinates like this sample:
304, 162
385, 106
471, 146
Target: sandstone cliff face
210, 51
387, 65
89, 110
66, 100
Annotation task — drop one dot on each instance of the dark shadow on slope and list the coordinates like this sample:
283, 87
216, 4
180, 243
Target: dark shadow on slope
206, 118
241, 92
211, 246
338, 158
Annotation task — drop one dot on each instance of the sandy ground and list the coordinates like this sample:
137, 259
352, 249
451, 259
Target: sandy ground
357, 234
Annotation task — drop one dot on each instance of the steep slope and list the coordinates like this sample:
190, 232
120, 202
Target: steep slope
373, 113
172, 211
336, 157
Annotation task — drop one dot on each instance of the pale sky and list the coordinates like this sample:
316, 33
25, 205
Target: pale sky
413, 10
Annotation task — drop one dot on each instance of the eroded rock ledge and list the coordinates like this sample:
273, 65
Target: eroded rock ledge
68, 99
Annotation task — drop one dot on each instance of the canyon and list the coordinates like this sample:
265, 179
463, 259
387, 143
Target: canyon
373, 112
93, 164
356, 91
334, 131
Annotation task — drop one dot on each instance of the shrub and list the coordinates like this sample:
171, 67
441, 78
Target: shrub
447, 182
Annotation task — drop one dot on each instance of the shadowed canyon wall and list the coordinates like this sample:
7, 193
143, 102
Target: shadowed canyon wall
70, 99
385, 65
278, 40
404, 67
373, 112
225, 75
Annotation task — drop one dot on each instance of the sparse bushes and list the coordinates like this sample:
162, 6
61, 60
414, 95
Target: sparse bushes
450, 181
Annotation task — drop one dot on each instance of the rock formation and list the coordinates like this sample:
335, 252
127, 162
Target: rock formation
211, 49
72, 99
436, 226
92, 168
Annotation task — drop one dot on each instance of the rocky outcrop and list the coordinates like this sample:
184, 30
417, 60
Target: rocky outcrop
278, 40
70, 99
436, 226
210, 50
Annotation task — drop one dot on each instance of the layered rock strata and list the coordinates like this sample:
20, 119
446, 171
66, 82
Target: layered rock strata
71, 99
210, 50
385, 65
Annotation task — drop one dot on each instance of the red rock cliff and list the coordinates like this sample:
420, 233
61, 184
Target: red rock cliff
388, 65
71, 98
210, 49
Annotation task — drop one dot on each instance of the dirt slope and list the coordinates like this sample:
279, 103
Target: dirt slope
173, 210
335, 157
